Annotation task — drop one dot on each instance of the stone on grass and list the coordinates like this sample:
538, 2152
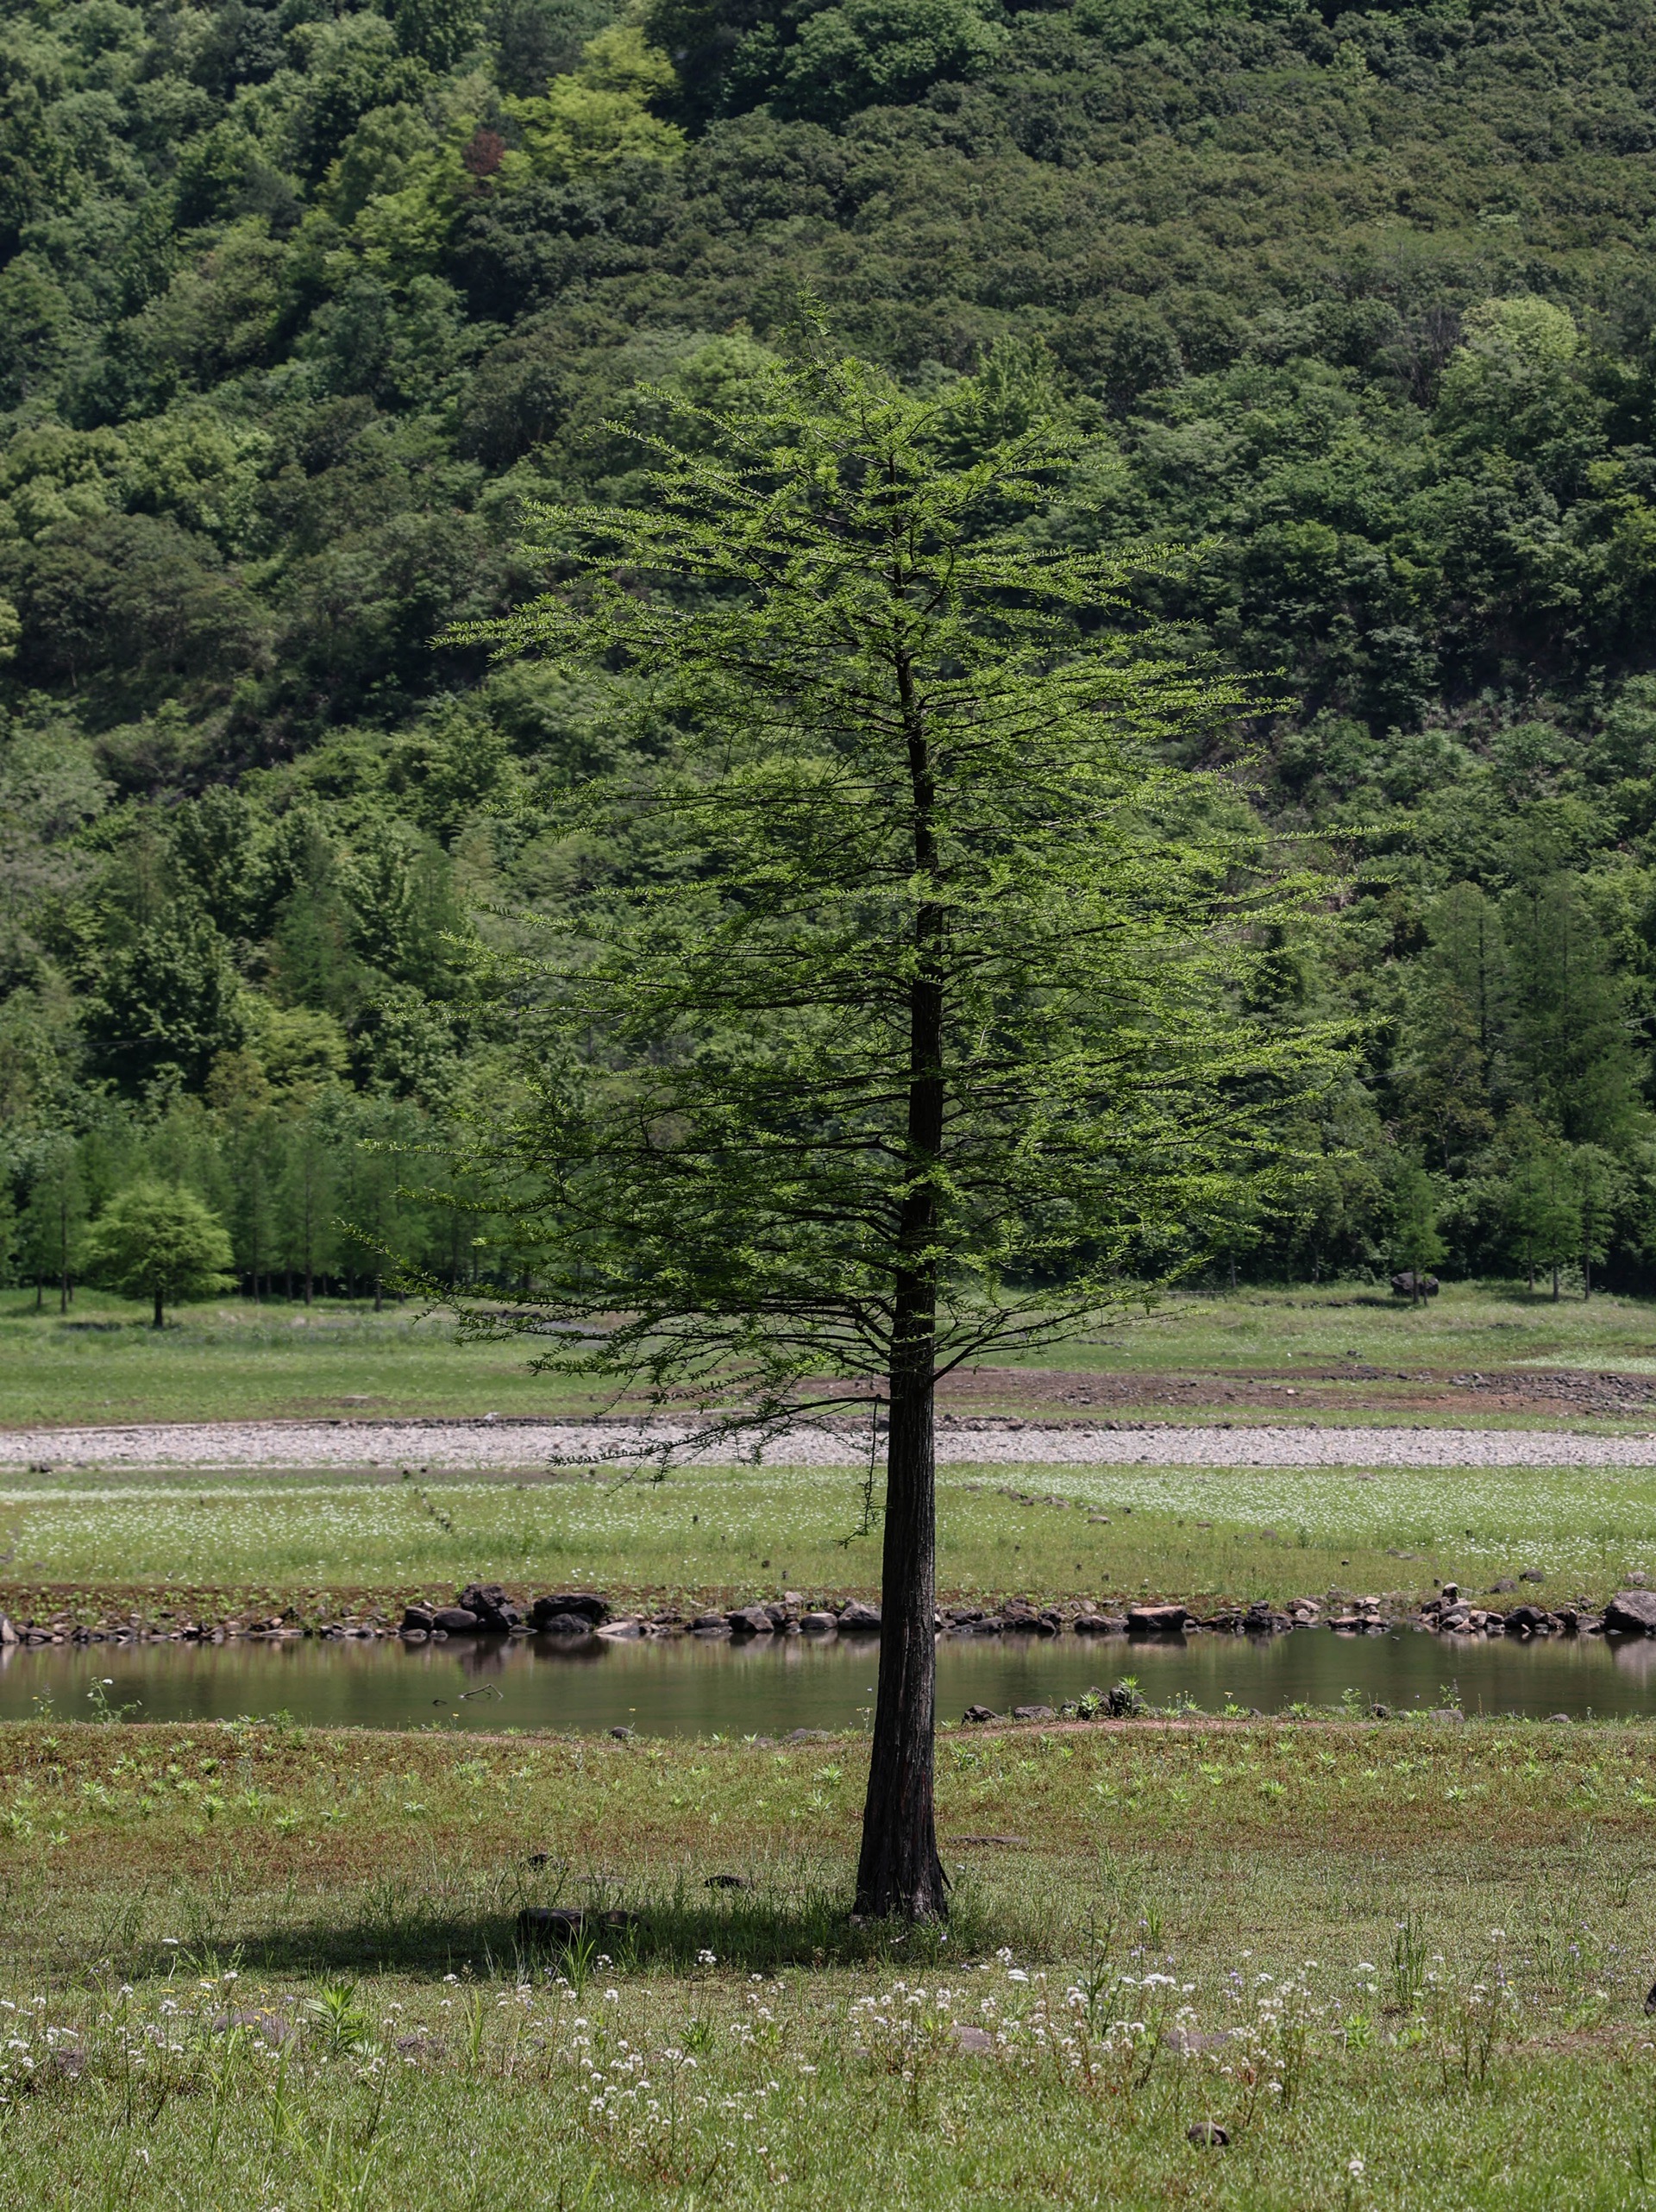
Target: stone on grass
967, 2037
1207, 2134
1032, 1712
980, 1712
1448, 1712
623, 1734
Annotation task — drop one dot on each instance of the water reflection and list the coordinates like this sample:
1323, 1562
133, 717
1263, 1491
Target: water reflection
687, 1688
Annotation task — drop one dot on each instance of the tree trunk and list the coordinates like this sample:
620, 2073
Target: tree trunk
1555, 1282
378, 1293
1586, 1275
156, 1324
899, 1873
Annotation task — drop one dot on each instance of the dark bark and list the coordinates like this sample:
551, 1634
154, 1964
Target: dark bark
899, 1873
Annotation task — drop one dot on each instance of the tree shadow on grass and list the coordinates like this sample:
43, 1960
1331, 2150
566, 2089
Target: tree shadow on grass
677, 1935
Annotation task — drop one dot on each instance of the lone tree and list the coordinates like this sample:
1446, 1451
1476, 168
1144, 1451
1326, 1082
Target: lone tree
905, 1026
157, 1241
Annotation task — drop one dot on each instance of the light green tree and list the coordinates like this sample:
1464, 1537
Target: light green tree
1416, 1247
1542, 1213
918, 1035
157, 1241
54, 1217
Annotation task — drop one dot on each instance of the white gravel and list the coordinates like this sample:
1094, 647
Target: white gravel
455, 1447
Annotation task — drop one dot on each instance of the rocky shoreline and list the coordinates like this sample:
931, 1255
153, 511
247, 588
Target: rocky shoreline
482, 1610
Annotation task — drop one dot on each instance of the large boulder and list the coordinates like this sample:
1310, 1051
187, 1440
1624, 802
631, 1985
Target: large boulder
417, 1620
858, 1617
750, 1620
1631, 1613
1155, 1620
496, 1614
455, 1620
550, 1616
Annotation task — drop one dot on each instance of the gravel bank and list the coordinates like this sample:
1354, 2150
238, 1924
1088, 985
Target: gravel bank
456, 1447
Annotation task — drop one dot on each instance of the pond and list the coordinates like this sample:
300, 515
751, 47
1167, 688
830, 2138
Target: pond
686, 1687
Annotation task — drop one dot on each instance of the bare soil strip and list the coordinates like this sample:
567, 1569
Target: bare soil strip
489, 1445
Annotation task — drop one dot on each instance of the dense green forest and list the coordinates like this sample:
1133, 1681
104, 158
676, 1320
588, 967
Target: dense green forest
299, 303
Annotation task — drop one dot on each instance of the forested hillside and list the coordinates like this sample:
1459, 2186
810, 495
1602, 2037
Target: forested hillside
299, 303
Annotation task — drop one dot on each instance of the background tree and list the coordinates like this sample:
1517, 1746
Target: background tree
1416, 1246
54, 1217
158, 1242
916, 1038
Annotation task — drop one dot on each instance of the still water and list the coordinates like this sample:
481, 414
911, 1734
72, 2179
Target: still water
686, 1687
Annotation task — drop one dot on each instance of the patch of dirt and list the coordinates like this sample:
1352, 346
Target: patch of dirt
1054, 1391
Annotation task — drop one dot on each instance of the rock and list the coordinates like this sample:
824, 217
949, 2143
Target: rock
1099, 1624
1155, 1620
1529, 1620
1123, 1701
710, 1624
980, 1712
567, 1925
1501, 1585
1631, 1613
1380, 1711
858, 1618
818, 1623
1559, 1716
623, 1734
454, 1620
1407, 1285
1451, 1593
1531, 1574
621, 1632
809, 1736
1650, 2001
728, 1881
496, 1614
1032, 1712
967, 2037
418, 1620
585, 1604
1207, 2134
780, 1617
750, 1621
1448, 1712
561, 1624
8, 1633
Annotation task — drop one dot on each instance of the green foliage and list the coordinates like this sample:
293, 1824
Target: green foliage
157, 1241
299, 306
912, 1033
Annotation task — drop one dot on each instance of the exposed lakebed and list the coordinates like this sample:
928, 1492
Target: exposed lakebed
685, 1687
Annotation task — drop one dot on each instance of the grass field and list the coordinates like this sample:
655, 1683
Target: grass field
234, 1360
1400, 1964
329, 1544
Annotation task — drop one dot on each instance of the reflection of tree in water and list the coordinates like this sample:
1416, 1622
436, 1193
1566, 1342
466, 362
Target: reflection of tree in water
486, 1656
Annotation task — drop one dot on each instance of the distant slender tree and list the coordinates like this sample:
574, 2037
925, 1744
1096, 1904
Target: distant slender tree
54, 1217
918, 1035
1416, 1247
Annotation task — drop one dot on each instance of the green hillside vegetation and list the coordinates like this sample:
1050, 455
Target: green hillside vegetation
300, 303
